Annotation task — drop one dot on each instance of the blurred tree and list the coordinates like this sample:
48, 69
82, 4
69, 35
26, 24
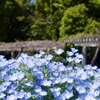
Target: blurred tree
13, 20
47, 19
46, 22
80, 17
74, 20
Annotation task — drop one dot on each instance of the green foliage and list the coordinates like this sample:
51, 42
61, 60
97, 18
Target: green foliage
13, 18
48, 19
74, 20
92, 27
80, 17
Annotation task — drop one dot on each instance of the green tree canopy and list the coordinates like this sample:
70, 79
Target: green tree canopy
13, 20
74, 20
81, 17
48, 19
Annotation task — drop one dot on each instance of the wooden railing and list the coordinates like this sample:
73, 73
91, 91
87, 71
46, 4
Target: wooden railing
89, 42
29, 46
84, 43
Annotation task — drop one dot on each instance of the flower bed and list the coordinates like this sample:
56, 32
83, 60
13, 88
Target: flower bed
39, 77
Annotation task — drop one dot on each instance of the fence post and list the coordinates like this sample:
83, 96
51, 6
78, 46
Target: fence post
84, 52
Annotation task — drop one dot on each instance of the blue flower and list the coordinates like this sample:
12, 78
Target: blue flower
67, 94
70, 53
21, 94
70, 59
55, 91
11, 97
46, 83
89, 97
62, 82
48, 57
43, 93
28, 95
37, 89
2, 95
77, 60
80, 56
80, 88
61, 67
74, 50
41, 52
59, 51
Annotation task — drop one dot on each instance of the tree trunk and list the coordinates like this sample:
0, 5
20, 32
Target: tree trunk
95, 55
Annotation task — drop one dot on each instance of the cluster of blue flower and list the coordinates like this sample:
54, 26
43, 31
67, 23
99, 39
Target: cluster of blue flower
39, 78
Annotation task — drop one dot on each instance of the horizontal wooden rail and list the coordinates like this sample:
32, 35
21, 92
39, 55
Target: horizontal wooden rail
88, 42
84, 43
30, 46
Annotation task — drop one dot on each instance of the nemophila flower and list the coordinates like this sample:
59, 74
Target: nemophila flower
46, 83
59, 51
41, 52
69, 68
3, 87
38, 62
38, 55
10, 90
70, 53
3, 62
70, 59
79, 55
52, 66
43, 93
78, 98
1, 57
55, 91
90, 73
56, 81
11, 61
37, 89
74, 50
89, 97
61, 67
55, 74
67, 94
60, 97
77, 60
81, 96
79, 72
96, 93
2, 95
87, 67
48, 57
11, 97
95, 85
13, 85
63, 78
94, 67
3, 72
20, 94
24, 55
80, 88
38, 77
84, 76
30, 83
30, 64
16, 76
27, 95
70, 80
